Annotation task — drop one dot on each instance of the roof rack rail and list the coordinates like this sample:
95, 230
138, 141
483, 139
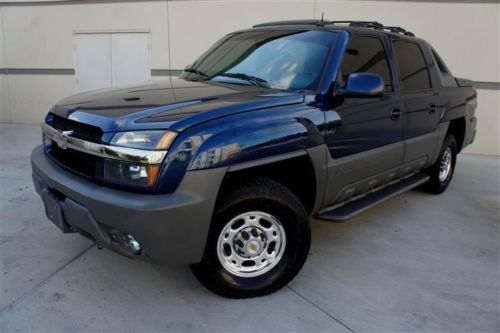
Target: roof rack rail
374, 25
362, 24
399, 30
292, 22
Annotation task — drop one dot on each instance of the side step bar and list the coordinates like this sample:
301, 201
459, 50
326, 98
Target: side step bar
352, 208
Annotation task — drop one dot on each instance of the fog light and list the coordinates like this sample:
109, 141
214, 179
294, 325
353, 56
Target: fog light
124, 173
129, 243
137, 171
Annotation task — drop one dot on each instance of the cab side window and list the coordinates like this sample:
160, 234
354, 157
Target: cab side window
367, 55
413, 69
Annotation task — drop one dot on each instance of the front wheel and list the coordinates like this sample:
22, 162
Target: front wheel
258, 241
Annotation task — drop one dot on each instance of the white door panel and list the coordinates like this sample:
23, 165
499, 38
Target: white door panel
130, 58
93, 61
106, 60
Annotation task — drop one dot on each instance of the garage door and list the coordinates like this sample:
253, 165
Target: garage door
106, 60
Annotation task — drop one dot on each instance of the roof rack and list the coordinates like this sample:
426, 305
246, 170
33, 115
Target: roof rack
292, 22
399, 30
362, 24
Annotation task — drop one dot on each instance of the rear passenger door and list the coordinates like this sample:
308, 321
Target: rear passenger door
420, 103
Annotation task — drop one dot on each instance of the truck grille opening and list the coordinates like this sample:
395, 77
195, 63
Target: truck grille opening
80, 130
84, 164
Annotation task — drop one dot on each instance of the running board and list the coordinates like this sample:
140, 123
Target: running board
350, 209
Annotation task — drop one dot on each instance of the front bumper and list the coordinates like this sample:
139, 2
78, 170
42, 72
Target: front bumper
171, 228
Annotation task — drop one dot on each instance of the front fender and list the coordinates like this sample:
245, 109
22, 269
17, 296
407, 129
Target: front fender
242, 138
251, 142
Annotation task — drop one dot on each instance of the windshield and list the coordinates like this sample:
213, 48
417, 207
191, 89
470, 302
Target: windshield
289, 60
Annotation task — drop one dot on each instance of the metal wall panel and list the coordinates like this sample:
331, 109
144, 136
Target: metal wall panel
131, 58
93, 61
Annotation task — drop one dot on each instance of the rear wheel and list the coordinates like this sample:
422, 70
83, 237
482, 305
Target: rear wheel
258, 241
442, 171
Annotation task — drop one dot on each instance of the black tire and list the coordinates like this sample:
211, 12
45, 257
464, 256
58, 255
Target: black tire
435, 185
266, 196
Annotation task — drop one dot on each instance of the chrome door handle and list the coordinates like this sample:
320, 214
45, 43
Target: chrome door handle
395, 113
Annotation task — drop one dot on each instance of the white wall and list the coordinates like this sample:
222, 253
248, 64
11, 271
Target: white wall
488, 113
4, 92
47, 31
31, 96
465, 33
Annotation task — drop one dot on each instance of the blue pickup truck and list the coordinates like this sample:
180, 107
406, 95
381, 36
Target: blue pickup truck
222, 167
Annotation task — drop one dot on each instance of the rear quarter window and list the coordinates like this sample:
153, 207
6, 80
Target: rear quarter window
445, 76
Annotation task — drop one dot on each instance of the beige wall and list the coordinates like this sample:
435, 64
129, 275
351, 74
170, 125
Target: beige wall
488, 139
466, 34
47, 31
31, 96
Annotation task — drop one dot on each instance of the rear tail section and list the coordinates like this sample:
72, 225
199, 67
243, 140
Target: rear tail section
470, 93
464, 82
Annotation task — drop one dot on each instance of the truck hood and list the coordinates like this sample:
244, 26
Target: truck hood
174, 104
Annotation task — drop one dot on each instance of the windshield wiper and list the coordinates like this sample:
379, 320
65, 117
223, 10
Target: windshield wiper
254, 80
195, 71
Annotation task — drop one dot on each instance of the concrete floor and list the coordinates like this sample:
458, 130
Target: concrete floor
415, 263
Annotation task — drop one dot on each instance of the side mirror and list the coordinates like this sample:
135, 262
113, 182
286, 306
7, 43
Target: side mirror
363, 85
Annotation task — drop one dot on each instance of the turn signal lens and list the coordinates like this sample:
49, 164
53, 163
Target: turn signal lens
153, 171
166, 140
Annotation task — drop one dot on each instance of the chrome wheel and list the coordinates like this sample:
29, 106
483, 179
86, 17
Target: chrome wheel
445, 166
251, 244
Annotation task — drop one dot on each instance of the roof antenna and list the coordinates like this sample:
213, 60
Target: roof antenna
322, 22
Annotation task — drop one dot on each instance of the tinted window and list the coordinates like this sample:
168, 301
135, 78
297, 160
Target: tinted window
413, 69
366, 54
276, 59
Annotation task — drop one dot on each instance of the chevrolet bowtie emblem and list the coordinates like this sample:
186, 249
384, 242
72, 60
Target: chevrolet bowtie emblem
67, 133
63, 138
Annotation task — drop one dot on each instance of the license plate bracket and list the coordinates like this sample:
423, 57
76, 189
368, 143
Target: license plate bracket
54, 211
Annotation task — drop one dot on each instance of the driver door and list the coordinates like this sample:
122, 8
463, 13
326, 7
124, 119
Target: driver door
367, 148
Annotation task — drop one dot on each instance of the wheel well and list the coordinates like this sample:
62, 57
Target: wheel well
297, 174
457, 128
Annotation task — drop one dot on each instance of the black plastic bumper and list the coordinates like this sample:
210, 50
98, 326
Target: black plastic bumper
171, 228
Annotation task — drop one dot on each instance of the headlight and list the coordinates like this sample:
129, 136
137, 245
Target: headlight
137, 174
144, 139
